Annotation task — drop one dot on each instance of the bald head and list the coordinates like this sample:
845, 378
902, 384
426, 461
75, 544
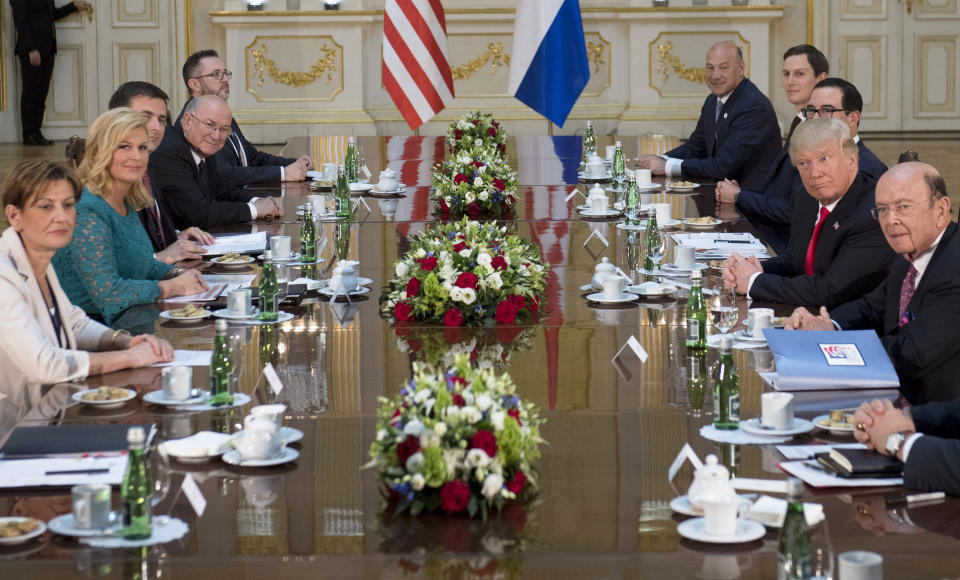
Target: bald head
912, 207
725, 68
206, 123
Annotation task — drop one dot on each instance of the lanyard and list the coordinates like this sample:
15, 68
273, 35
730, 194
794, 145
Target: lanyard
55, 315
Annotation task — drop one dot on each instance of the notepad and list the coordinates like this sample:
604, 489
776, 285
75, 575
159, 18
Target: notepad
69, 440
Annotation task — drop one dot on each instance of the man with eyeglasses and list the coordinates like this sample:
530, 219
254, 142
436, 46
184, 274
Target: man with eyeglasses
737, 135
206, 74
803, 67
916, 311
836, 250
186, 180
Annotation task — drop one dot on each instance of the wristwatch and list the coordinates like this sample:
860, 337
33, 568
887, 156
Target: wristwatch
896, 441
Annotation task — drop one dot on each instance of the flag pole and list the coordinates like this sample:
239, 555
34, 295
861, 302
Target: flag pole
549, 128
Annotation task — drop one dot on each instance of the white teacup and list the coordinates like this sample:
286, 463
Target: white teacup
684, 257
272, 413
611, 151
259, 439
720, 515
240, 302
595, 166
644, 177
318, 204
388, 180
344, 276
663, 213
758, 319
612, 287
776, 410
91, 506
279, 247
177, 382
599, 204
329, 172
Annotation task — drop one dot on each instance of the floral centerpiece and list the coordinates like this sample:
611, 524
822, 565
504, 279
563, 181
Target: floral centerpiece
466, 273
477, 130
474, 183
485, 346
460, 441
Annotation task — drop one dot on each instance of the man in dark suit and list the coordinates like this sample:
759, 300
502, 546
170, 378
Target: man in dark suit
831, 98
170, 246
186, 180
737, 136
916, 311
36, 47
206, 74
925, 437
836, 250
803, 67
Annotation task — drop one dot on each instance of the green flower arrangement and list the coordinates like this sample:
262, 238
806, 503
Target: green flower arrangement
474, 183
477, 130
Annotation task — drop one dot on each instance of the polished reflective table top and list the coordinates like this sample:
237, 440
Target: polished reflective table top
613, 429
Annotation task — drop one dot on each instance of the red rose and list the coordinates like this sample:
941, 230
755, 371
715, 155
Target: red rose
453, 334
533, 304
402, 311
517, 301
474, 210
466, 280
475, 122
506, 312
460, 381
407, 447
428, 263
507, 334
492, 132
477, 164
413, 287
485, 440
458, 400
502, 148
495, 124
459, 178
444, 206
454, 496
414, 344
517, 483
510, 199
498, 183
459, 247
515, 413
457, 134
499, 263
515, 516
453, 317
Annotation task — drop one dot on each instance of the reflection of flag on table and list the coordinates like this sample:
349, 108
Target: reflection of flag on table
416, 72
549, 69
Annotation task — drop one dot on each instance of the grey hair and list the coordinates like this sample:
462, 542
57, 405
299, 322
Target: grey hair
196, 102
816, 132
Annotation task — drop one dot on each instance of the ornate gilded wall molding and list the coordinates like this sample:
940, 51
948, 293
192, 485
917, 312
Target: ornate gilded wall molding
325, 65
493, 55
669, 61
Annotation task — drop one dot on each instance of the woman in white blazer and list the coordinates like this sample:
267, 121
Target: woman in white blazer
43, 338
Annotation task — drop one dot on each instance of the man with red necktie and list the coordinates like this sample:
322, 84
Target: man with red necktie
836, 251
916, 311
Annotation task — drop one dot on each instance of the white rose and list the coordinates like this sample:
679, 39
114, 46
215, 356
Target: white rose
421, 253
440, 428
470, 414
482, 169
381, 434
484, 402
497, 418
403, 295
413, 427
415, 462
429, 439
484, 259
456, 294
477, 181
483, 195
418, 481
492, 486
402, 269
420, 396
447, 272
470, 197
465, 159
468, 397
494, 281
452, 414
469, 296
475, 458
478, 142
447, 286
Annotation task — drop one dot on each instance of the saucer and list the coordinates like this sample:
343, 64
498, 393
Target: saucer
703, 226
63, 525
293, 257
742, 335
835, 430
639, 290
747, 531
328, 291
41, 528
675, 268
287, 434
799, 426
286, 455
110, 404
681, 504
361, 281
361, 187
610, 212
690, 187
605, 176
183, 319
225, 313
624, 297
375, 190
281, 317
157, 398
246, 262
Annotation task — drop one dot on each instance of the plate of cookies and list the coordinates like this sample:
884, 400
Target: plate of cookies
187, 313
15, 530
838, 422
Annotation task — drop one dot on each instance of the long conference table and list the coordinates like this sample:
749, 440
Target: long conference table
613, 429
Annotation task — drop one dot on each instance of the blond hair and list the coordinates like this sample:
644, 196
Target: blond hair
106, 134
814, 133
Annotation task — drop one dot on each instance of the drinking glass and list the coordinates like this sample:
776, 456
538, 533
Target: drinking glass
283, 276
656, 249
723, 307
361, 162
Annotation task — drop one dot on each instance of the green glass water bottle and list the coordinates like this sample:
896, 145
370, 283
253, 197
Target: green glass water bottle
342, 196
137, 489
221, 366
268, 290
589, 142
726, 390
696, 315
619, 167
350, 161
632, 200
342, 235
696, 378
308, 236
793, 542
651, 238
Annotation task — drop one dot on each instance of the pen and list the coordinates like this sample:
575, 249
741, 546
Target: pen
78, 472
734, 241
913, 498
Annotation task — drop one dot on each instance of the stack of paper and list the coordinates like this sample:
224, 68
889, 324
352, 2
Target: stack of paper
62, 471
719, 246
239, 243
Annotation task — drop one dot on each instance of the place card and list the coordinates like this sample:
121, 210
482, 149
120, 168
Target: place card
686, 454
366, 171
194, 495
273, 379
622, 360
599, 236
573, 193
360, 200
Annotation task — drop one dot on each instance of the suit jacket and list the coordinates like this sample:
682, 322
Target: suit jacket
34, 23
934, 460
29, 351
741, 145
852, 256
260, 166
148, 218
189, 198
924, 351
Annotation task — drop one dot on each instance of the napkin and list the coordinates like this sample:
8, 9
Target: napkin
770, 511
201, 444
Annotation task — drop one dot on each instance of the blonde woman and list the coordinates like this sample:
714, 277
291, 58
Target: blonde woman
109, 265
43, 338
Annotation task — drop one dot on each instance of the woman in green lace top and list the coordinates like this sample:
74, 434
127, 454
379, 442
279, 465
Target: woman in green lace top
109, 265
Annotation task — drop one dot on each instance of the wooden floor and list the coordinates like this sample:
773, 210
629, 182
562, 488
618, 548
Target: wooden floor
940, 150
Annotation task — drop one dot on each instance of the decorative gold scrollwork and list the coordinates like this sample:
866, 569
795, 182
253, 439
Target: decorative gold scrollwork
494, 55
668, 61
325, 65
595, 56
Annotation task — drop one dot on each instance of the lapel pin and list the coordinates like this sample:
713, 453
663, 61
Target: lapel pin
724, 115
836, 226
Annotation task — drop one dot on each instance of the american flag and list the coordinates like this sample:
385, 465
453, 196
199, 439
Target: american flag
416, 72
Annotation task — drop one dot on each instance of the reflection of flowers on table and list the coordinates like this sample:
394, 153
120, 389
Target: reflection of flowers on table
477, 130
485, 346
475, 183
465, 274
459, 441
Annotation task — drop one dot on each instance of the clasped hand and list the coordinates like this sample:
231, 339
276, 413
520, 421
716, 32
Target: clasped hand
738, 270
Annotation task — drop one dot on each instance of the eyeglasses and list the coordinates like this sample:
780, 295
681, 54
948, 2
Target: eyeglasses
224, 131
825, 111
900, 209
218, 75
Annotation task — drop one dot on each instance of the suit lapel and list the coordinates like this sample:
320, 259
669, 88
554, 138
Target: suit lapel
804, 217
834, 226
711, 124
929, 274
891, 314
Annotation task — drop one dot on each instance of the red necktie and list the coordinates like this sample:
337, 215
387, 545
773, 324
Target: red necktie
906, 292
812, 248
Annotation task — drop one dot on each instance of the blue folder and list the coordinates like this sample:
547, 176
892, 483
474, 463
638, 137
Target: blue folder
817, 360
